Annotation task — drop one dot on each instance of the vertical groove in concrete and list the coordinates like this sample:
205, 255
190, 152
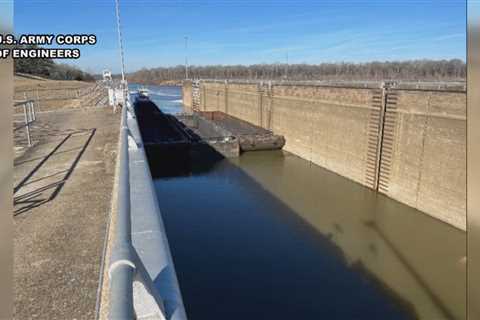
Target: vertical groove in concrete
260, 107
422, 150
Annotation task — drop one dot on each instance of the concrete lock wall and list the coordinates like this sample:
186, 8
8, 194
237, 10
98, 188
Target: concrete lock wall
187, 94
407, 144
332, 127
328, 126
424, 152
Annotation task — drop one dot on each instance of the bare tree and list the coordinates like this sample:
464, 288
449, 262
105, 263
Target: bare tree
454, 69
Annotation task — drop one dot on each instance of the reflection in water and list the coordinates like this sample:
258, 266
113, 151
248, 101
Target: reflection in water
270, 236
418, 257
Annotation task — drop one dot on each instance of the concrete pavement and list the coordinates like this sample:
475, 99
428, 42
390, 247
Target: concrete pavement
62, 199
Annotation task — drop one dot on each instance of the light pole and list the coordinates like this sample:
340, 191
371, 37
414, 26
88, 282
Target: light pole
286, 67
186, 58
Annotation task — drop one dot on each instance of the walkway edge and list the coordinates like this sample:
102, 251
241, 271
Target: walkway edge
103, 287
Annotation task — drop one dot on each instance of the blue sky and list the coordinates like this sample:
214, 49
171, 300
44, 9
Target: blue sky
248, 31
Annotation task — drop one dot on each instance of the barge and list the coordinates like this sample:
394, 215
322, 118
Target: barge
174, 144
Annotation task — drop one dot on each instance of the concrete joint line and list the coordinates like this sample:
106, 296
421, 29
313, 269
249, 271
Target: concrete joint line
434, 115
422, 151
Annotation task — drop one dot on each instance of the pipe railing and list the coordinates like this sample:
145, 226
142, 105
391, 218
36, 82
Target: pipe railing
455, 86
126, 268
122, 265
52, 94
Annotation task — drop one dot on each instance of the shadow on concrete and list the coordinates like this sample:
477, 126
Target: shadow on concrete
40, 164
19, 163
28, 201
163, 277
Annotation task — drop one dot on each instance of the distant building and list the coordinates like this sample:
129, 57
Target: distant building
107, 75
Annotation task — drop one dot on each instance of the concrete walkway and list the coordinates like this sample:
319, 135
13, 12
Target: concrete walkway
62, 199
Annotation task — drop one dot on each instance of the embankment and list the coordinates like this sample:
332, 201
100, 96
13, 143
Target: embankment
407, 143
51, 95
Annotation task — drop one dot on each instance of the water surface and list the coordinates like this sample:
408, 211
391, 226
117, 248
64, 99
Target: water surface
271, 236
169, 98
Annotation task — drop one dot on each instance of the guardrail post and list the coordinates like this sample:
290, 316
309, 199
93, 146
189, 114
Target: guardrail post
226, 96
38, 99
33, 111
30, 110
27, 124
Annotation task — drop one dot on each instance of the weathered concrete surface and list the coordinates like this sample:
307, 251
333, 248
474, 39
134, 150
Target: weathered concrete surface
187, 94
424, 152
328, 126
63, 188
417, 157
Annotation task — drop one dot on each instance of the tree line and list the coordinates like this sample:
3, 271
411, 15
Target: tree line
428, 70
47, 68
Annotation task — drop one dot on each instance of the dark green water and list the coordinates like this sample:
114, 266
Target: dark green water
270, 236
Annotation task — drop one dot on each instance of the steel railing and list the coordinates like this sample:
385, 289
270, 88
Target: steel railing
55, 94
122, 265
132, 292
368, 84
29, 117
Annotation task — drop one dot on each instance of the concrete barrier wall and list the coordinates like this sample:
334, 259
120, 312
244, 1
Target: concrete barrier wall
407, 144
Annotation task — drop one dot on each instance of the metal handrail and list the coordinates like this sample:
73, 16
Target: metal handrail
22, 102
68, 93
453, 86
122, 265
29, 117
133, 294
